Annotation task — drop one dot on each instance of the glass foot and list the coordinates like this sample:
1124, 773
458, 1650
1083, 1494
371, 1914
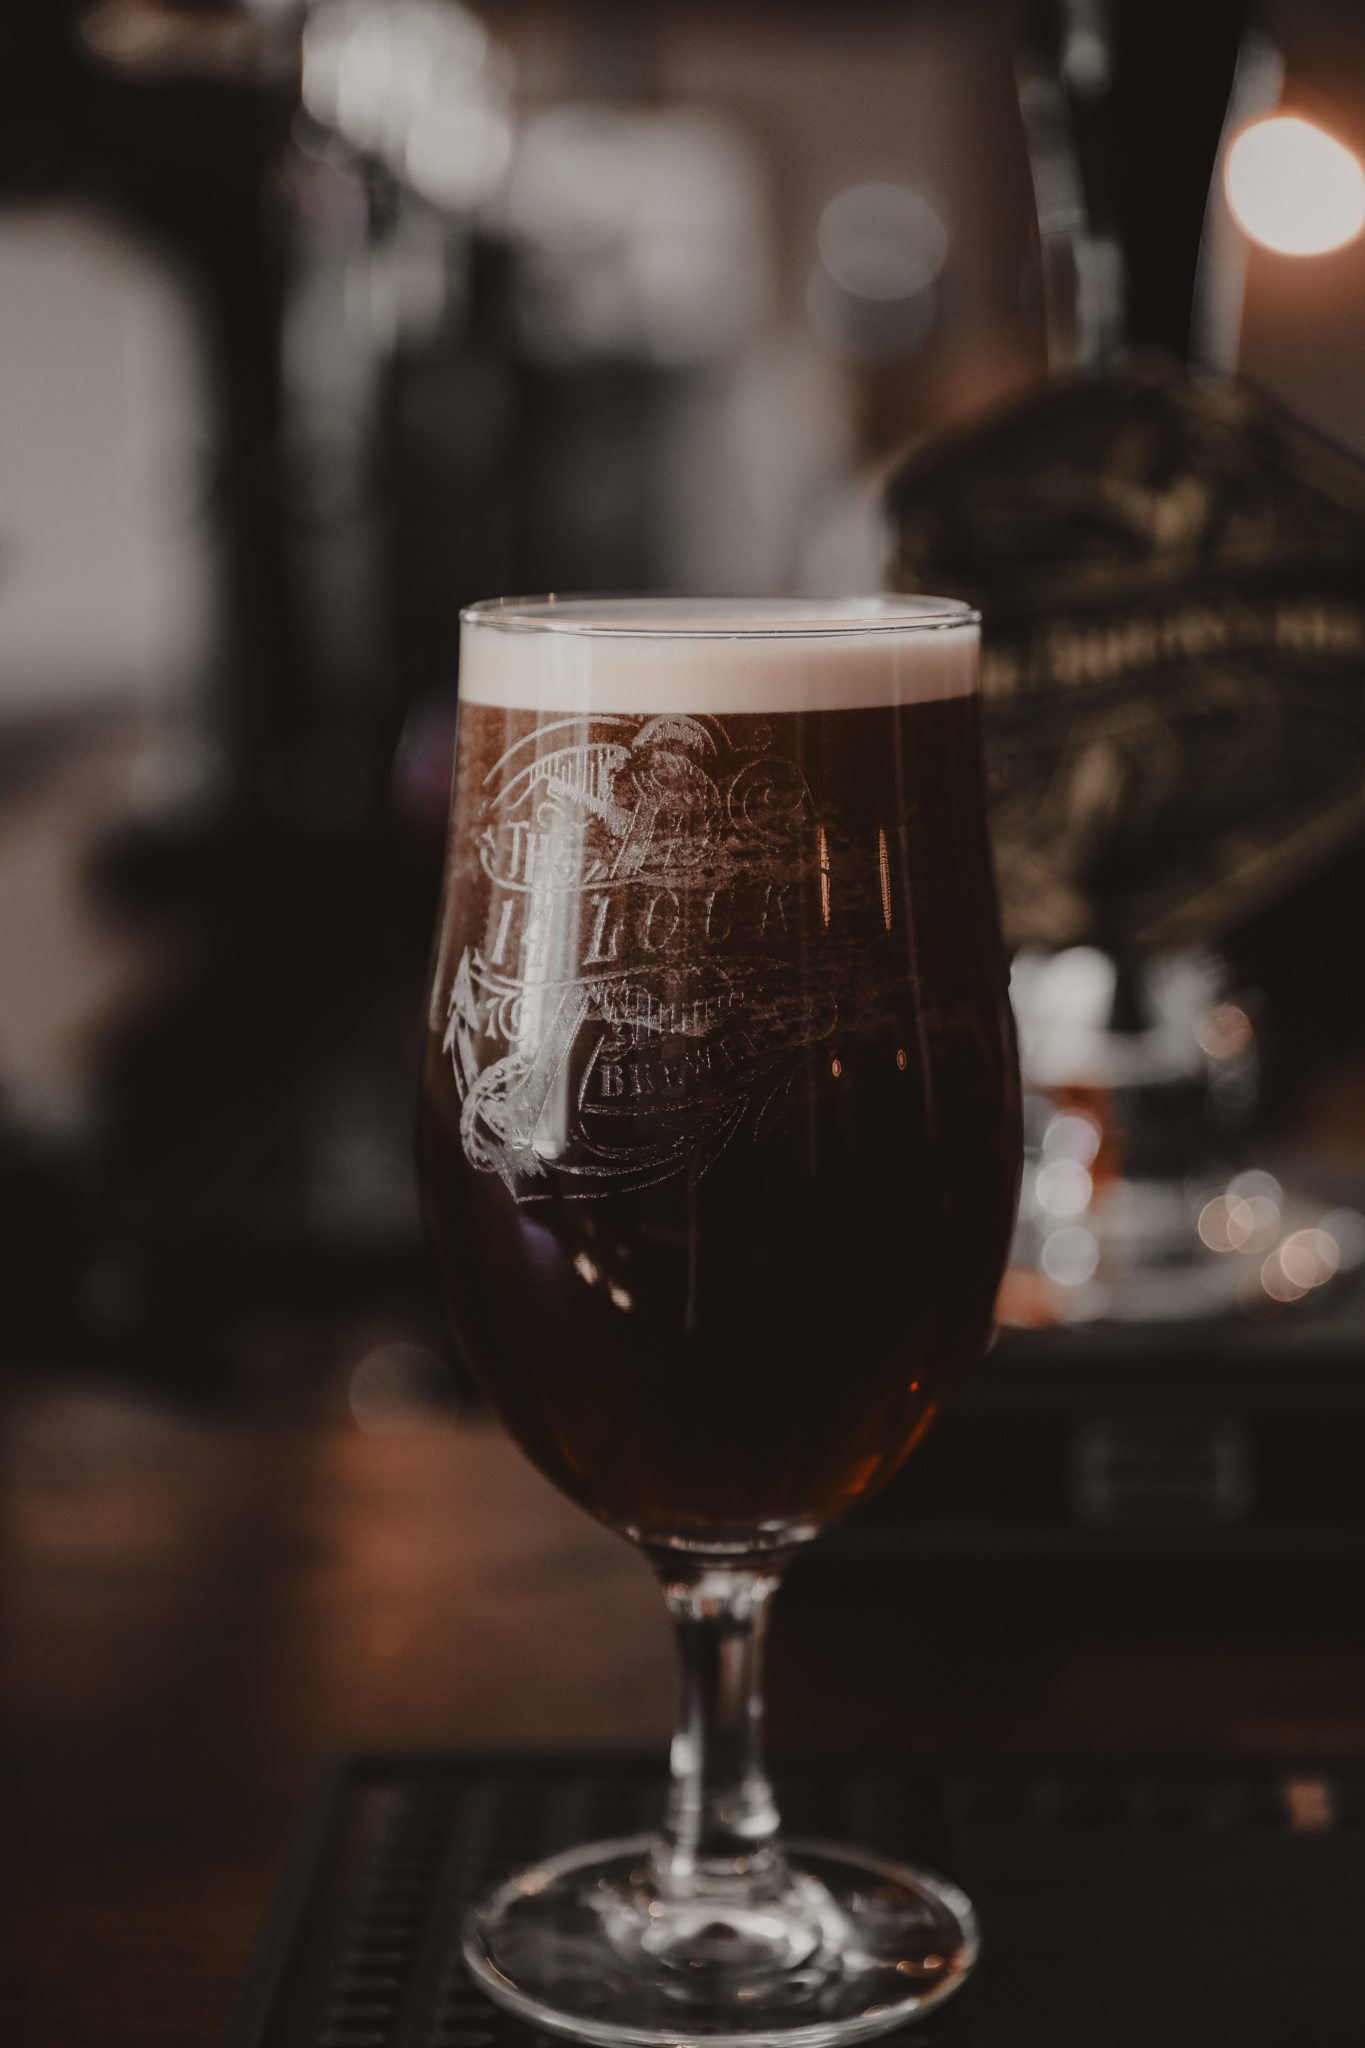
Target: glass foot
840, 1946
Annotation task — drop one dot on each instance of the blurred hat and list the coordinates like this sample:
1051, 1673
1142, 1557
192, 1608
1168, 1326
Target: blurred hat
1172, 578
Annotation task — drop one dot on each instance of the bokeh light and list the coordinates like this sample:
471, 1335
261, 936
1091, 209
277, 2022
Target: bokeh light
1293, 188
1305, 1260
882, 241
1073, 1136
397, 1387
881, 248
417, 83
1070, 1255
1224, 1032
1214, 1225
1063, 1188
1246, 1217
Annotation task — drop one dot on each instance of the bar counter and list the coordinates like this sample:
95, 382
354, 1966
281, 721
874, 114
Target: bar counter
199, 1609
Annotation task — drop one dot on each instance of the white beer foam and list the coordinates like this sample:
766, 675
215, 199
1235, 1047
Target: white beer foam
735, 656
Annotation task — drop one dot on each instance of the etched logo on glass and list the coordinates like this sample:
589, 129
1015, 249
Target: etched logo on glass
633, 1004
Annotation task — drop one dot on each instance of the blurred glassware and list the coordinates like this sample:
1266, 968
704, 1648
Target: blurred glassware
418, 84
1126, 1213
644, 234
1080, 258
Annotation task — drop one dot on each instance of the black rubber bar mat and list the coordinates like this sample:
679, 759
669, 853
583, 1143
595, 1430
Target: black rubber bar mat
1158, 1905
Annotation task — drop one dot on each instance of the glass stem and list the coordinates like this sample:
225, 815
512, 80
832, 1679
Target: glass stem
719, 1834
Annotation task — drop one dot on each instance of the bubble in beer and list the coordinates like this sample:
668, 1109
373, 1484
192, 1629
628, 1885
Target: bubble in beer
901, 1061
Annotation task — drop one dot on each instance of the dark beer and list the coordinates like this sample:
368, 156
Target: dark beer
720, 1121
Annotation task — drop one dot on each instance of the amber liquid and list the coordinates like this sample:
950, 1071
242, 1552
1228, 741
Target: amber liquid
720, 1119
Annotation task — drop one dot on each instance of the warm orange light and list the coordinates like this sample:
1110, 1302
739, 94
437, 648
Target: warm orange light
1294, 188
1026, 1301
1224, 1032
1306, 1260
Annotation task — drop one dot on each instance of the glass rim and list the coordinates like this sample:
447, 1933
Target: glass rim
610, 617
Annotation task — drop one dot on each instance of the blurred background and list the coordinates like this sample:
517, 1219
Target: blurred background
317, 323
315, 326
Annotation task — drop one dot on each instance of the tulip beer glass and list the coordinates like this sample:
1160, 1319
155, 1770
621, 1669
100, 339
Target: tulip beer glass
720, 1144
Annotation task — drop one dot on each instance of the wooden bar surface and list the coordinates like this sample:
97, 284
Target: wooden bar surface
195, 1612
